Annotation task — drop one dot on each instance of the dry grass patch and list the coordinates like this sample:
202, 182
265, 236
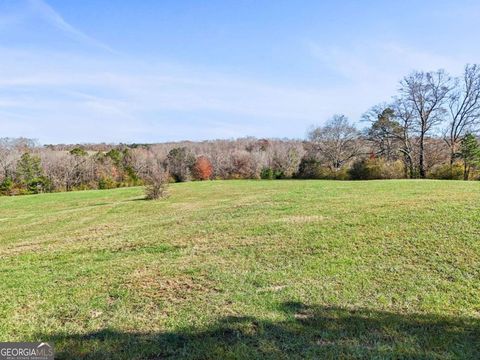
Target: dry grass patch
154, 285
302, 219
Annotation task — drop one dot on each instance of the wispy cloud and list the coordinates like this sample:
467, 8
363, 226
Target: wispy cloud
382, 60
74, 94
136, 99
126, 99
52, 16
370, 72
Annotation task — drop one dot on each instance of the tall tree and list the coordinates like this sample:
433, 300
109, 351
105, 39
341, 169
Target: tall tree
10, 152
426, 94
29, 168
337, 141
76, 169
180, 161
464, 109
384, 132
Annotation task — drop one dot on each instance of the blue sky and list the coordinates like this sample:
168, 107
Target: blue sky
159, 70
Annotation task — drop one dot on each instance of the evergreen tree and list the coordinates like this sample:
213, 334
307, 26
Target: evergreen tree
29, 168
30, 174
470, 154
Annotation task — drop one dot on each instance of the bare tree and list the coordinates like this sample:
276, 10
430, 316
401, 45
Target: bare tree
156, 180
464, 109
10, 151
8, 158
426, 94
78, 169
336, 142
404, 115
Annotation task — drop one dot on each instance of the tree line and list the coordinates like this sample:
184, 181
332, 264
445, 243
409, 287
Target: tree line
428, 130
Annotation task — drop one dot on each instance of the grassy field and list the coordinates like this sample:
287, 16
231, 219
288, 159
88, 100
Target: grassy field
246, 269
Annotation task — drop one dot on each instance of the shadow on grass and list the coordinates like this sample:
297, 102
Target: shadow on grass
309, 332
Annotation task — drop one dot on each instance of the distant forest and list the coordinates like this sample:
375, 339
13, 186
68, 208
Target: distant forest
429, 130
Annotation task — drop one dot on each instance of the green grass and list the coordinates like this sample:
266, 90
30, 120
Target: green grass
246, 269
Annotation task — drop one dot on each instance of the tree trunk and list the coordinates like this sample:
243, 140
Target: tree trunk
408, 163
421, 161
452, 155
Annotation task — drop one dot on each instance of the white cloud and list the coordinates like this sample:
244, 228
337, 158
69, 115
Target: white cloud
158, 97
54, 18
370, 73
104, 96
383, 62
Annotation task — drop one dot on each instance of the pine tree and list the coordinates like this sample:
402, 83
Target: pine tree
470, 154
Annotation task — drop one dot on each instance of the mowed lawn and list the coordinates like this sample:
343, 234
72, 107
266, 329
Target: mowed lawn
246, 269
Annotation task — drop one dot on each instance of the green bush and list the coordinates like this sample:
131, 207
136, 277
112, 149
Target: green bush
107, 183
6, 186
267, 174
371, 169
39, 185
310, 169
447, 172
338, 174
270, 174
313, 169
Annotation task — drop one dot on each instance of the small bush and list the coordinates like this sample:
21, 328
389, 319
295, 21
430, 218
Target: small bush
203, 169
376, 168
267, 174
107, 183
39, 185
7, 186
270, 174
340, 174
309, 169
156, 184
313, 169
447, 172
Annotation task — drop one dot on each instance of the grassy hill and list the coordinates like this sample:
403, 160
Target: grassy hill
246, 269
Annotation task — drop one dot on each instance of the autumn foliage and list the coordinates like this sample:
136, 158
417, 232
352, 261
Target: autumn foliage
203, 169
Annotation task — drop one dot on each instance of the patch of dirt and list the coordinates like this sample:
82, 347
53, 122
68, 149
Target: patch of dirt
303, 316
324, 342
98, 231
272, 288
22, 248
302, 219
176, 289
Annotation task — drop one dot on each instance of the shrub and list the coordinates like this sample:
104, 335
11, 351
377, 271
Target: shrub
267, 174
340, 174
156, 183
313, 169
203, 169
375, 168
78, 151
106, 183
309, 169
270, 174
6, 186
39, 185
447, 172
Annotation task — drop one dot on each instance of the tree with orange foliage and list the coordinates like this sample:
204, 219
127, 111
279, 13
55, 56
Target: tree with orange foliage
203, 169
